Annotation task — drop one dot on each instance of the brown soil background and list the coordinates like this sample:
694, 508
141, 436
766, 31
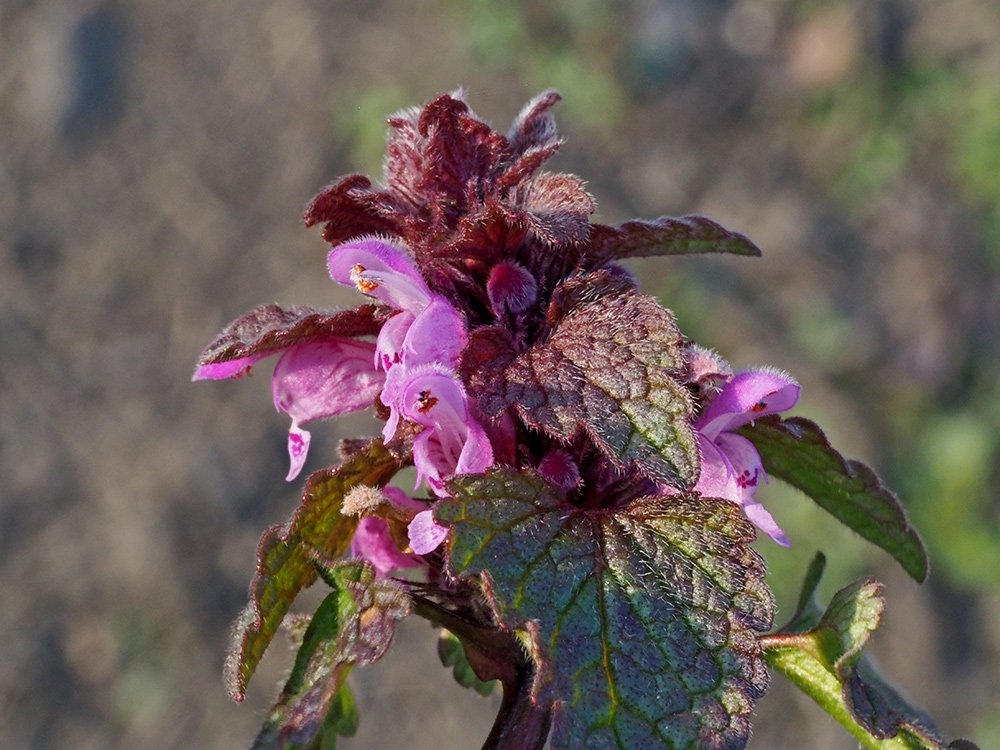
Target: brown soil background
154, 161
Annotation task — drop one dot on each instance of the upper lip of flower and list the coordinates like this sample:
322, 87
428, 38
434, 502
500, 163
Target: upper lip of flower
381, 269
746, 397
731, 467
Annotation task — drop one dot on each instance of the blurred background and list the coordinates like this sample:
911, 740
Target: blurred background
154, 161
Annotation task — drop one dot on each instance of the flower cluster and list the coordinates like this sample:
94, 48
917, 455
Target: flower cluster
471, 255
586, 475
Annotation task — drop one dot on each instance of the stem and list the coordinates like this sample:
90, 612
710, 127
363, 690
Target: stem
810, 676
521, 723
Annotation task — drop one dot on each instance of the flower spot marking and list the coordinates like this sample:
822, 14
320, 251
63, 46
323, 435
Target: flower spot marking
762, 404
296, 445
365, 285
426, 401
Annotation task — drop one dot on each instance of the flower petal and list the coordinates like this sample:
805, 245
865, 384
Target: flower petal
430, 460
381, 270
437, 335
763, 520
731, 471
748, 396
425, 533
373, 542
321, 379
454, 442
433, 396
745, 463
477, 453
717, 478
298, 449
394, 380
234, 368
389, 344
402, 503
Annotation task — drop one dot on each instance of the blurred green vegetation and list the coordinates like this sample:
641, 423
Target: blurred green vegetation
540, 44
893, 126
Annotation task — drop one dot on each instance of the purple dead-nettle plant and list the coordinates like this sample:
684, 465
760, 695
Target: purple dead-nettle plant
588, 481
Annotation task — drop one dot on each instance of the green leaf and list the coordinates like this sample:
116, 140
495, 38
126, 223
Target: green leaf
822, 655
642, 620
452, 654
608, 367
796, 451
665, 236
285, 556
353, 626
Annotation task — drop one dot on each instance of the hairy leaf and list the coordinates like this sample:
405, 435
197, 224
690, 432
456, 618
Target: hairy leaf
350, 207
285, 556
608, 367
461, 153
557, 207
353, 626
527, 165
404, 157
534, 126
269, 329
821, 653
642, 620
796, 451
665, 236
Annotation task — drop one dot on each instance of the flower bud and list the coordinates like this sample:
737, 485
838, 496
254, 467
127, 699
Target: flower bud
559, 468
511, 286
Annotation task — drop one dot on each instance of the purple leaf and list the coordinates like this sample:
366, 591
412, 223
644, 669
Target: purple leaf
557, 207
534, 126
350, 207
665, 236
270, 329
608, 367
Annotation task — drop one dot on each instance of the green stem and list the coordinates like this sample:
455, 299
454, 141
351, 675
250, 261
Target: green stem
810, 676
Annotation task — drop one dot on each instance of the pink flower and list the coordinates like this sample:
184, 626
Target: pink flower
373, 541
312, 380
428, 329
426, 534
418, 348
380, 269
730, 465
452, 441
434, 337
